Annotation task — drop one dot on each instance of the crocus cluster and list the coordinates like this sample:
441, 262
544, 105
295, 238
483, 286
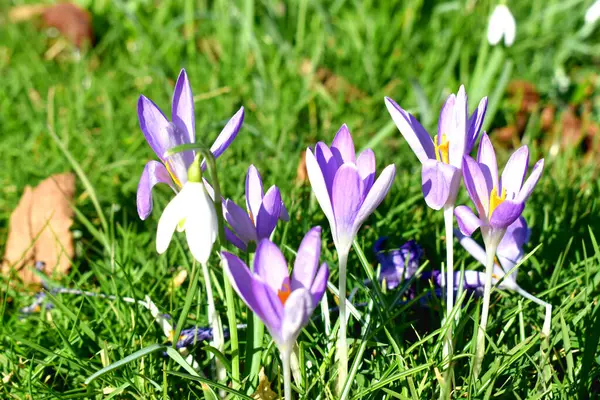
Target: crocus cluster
348, 191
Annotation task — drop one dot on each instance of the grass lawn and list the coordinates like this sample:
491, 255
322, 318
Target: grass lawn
301, 69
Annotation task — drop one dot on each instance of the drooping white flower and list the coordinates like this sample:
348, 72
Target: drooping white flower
593, 13
191, 211
502, 24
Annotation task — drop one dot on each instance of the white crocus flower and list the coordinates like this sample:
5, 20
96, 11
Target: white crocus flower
502, 24
593, 13
191, 210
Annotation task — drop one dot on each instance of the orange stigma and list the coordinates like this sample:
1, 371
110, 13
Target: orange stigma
442, 149
284, 293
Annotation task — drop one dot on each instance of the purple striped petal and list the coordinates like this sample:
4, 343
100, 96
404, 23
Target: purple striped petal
347, 197
307, 259
240, 222
155, 126
486, 157
467, 221
366, 168
439, 183
328, 164
458, 134
531, 182
476, 185
320, 284
154, 172
475, 124
514, 172
446, 117
415, 135
270, 265
471, 246
182, 111
506, 213
228, 134
376, 194
269, 212
319, 187
342, 146
252, 291
254, 192
234, 240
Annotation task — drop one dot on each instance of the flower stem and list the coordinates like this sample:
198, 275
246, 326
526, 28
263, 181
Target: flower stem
448, 222
287, 374
490, 249
215, 322
342, 346
233, 333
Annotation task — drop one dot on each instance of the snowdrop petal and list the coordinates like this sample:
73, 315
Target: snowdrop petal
173, 213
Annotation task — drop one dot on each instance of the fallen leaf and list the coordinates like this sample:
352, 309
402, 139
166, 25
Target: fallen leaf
333, 83
72, 21
26, 12
39, 231
301, 173
264, 391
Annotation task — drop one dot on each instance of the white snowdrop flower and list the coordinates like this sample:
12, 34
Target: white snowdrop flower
593, 13
502, 24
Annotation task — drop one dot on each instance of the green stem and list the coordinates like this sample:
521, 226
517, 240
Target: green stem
490, 250
187, 305
342, 346
448, 344
215, 321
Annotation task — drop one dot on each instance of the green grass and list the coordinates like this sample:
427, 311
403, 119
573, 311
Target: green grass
256, 54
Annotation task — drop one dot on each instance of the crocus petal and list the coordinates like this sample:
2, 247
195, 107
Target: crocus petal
239, 221
486, 157
476, 185
467, 221
154, 172
173, 213
417, 137
328, 164
475, 124
531, 182
252, 291
342, 146
470, 245
320, 284
297, 310
473, 280
376, 194
347, 197
457, 135
366, 167
234, 240
446, 116
307, 260
201, 224
319, 187
268, 214
506, 213
155, 126
183, 107
270, 265
511, 245
228, 134
254, 192
439, 183
514, 172
284, 215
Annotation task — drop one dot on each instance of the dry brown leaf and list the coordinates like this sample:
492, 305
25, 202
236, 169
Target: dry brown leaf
334, 84
26, 12
264, 391
301, 173
72, 21
40, 229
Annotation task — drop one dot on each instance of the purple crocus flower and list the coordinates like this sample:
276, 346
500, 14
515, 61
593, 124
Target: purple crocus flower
162, 135
398, 264
441, 157
345, 185
263, 212
283, 303
499, 202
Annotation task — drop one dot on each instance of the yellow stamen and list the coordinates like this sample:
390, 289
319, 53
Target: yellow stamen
251, 217
496, 200
284, 293
177, 182
442, 149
